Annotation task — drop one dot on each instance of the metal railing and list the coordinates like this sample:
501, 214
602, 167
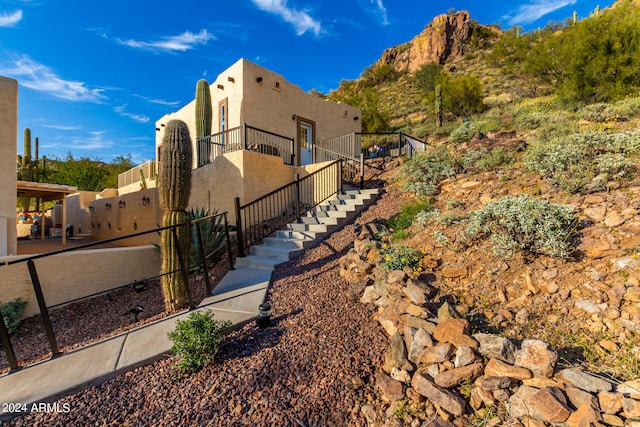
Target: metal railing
375, 144
44, 308
146, 170
245, 137
263, 216
352, 167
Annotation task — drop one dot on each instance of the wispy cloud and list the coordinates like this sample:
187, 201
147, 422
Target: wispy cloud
159, 101
37, 76
95, 141
301, 20
140, 118
382, 10
62, 127
10, 19
528, 13
181, 42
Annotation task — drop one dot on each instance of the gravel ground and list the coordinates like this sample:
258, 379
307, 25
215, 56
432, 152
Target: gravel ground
313, 367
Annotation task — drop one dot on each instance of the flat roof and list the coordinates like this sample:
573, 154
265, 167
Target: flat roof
44, 191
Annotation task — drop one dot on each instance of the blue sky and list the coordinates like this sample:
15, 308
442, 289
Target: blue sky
95, 76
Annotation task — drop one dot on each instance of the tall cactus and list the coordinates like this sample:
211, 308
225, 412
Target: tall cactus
203, 109
439, 106
27, 167
174, 181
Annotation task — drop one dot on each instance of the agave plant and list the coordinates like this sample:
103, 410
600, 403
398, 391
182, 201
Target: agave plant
213, 239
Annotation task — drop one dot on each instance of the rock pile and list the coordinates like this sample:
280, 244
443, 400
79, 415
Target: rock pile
437, 373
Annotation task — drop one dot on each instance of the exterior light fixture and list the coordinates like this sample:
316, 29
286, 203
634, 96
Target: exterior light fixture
145, 200
356, 118
107, 207
264, 315
91, 209
259, 79
293, 117
121, 204
231, 79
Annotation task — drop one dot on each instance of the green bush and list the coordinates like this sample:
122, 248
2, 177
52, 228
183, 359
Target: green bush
423, 173
486, 160
12, 313
464, 132
526, 224
397, 257
403, 219
197, 340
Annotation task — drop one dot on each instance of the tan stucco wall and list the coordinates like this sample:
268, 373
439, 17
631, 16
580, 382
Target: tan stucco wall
8, 151
69, 276
132, 217
261, 105
78, 214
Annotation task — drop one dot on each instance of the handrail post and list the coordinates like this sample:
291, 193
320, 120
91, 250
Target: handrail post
297, 197
44, 312
244, 136
236, 201
183, 266
340, 176
361, 171
203, 256
226, 231
8, 348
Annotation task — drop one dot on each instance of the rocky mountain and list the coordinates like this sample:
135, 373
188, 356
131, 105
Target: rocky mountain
448, 37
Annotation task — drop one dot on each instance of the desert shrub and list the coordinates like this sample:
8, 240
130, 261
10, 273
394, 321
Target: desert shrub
397, 257
12, 313
465, 131
571, 162
197, 340
422, 174
526, 224
403, 219
422, 218
486, 160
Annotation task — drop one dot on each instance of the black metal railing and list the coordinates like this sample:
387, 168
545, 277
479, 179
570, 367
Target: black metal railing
392, 144
352, 167
245, 137
44, 308
263, 216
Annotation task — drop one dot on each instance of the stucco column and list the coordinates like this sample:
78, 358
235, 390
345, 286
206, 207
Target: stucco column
8, 151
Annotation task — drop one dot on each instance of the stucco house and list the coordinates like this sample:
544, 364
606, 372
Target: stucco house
248, 94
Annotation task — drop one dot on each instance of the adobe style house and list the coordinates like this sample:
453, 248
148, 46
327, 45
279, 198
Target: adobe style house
248, 94
8, 146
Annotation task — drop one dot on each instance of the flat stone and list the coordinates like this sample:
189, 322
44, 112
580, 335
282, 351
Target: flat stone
494, 346
596, 213
414, 293
454, 272
522, 403
464, 356
436, 354
629, 387
552, 405
612, 420
448, 328
400, 375
578, 397
456, 376
446, 312
494, 383
498, 368
585, 416
584, 380
390, 322
390, 389
396, 355
421, 340
444, 398
415, 322
613, 219
417, 311
610, 402
370, 295
396, 276
536, 356
631, 408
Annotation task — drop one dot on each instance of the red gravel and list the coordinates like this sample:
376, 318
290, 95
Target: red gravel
313, 367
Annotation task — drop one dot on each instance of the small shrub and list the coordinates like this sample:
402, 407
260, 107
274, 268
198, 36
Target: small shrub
12, 313
397, 257
464, 132
197, 340
423, 173
486, 160
423, 217
403, 219
526, 224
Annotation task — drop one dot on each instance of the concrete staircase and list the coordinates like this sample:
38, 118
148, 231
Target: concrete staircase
291, 242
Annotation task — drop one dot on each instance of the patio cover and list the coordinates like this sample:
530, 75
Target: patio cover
46, 193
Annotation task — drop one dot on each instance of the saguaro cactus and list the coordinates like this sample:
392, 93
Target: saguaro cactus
174, 181
203, 109
27, 167
439, 106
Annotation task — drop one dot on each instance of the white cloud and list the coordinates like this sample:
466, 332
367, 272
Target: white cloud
93, 142
159, 101
181, 42
382, 10
140, 118
528, 13
301, 20
10, 19
37, 76
61, 127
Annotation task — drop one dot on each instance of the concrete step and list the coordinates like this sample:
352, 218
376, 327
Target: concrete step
289, 243
275, 252
315, 228
298, 235
342, 213
315, 220
260, 263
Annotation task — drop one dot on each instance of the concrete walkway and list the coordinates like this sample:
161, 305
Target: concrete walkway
236, 299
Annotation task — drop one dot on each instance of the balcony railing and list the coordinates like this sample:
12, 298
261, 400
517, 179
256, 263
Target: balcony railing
147, 170
245, 138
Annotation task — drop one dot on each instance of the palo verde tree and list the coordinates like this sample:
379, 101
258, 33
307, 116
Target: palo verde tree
174, 181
